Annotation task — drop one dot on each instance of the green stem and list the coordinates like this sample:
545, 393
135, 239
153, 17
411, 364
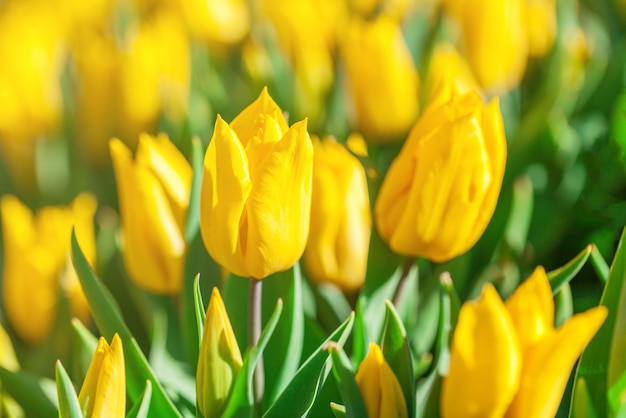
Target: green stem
254, 332
403, 279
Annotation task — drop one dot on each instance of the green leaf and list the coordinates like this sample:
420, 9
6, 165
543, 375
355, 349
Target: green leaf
582, 406
193, 213
241, 401
108, 318
142, 408
285, 346
338, 410
83, 347
398, 355
299, 396
563, 305
199, 308
37, 396
599, 264
344, 375
68, 400
565, 274
602, 362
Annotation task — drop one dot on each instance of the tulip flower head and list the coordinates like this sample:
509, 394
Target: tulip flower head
37, 262
103, 394
379, 386
256, 192
340, 218
154, 197
441, 190
219, 361
517, 361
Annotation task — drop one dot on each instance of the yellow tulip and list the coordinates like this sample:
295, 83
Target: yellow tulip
441, 190
448, 73
382, 78
103, 393
256, 192
541, 25
495, 39
379, 386
485, 349
153, 197
8, 360
548, 354
37, 264
340, 218
518, 363
219, 361
221, 23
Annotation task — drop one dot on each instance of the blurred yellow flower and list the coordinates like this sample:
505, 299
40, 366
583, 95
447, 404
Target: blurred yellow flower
37, 262
541, 24
103, 393
518, 361
379, 386
495, 40
219, 361
154, 74
8, 360
221, 23
341, 222
448, 73
382, 78
394, 8
441, 190
256, 192
32, 54
153, 198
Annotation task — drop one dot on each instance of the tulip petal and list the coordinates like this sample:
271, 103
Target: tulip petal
548, 364
278, 209
532, 309
226, 187
485, 360
248, 123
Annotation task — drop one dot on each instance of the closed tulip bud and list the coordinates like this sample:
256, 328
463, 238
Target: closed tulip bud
219, 361
154, 197
103, 393
256, 192
448, 74
382, 78
441, 190
518, 363
36, 247
379, 386
340, 218
495, 39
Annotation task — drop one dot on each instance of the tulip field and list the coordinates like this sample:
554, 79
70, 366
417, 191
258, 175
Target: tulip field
313, 208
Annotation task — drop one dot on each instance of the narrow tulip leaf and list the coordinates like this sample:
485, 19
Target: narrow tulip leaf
338, 410
199, 308
300, 394
617, 397
193, 213
344, 375
563, 305
241, 400
602, 362
599, 264
582, 406
108, 318
398, 355
142, 408
37, 396
68, 400
286, 343
84, 344
565, 274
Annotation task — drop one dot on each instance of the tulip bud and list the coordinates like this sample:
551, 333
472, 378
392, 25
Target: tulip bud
379, 386
36, 246
441, 190
382, 78
219, 360
340, 218
8, 360
256, 191
154, 197
485, 360
220, 23
103, 393
495, 39
541, 25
